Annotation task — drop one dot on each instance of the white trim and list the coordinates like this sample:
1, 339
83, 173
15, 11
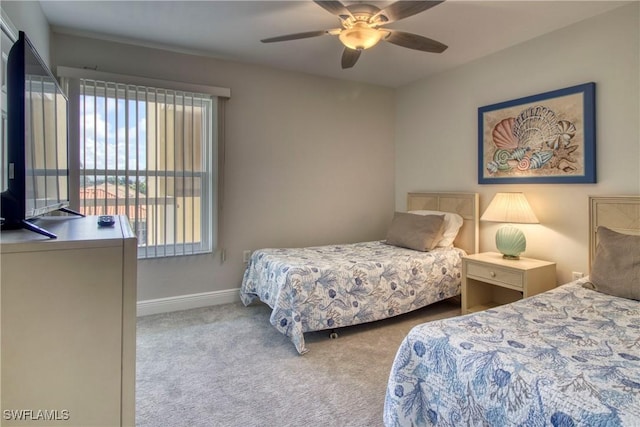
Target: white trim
7, 26
185, 302
81, 73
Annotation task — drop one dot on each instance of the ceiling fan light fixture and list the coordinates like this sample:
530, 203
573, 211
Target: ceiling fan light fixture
360, 36
361, 27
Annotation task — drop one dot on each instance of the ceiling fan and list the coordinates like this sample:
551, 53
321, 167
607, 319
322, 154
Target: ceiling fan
362, 28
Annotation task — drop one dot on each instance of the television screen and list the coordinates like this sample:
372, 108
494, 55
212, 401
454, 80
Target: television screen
36, 141
46, 185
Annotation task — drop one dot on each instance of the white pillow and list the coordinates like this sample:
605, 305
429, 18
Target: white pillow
452, 224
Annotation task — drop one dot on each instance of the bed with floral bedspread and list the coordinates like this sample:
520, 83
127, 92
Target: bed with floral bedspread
327, 287
566, 357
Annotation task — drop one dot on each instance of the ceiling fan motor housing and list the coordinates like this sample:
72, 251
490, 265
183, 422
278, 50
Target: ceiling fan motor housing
359, 30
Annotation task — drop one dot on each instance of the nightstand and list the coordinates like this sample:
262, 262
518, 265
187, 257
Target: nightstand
489, 280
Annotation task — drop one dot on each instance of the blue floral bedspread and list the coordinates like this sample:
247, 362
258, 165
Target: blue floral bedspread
326, 287
567, 357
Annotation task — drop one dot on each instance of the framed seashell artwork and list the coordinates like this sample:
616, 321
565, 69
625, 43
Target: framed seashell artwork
544, 138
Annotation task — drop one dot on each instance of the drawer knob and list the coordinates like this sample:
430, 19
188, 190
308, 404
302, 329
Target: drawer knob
493, 274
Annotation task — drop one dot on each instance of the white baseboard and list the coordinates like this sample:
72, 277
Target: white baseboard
185, 302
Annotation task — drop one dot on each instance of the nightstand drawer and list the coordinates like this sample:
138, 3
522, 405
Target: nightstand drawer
496, 274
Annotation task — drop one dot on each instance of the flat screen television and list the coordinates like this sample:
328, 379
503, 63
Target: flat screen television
37, 141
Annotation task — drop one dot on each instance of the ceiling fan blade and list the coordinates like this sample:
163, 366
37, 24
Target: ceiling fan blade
335, 8
350, 57
295, 36
404, 9
414, 41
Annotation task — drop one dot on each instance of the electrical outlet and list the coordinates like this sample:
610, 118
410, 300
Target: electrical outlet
576, 275
246, 256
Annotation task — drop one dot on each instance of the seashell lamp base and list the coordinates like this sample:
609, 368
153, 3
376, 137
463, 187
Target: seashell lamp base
510, 241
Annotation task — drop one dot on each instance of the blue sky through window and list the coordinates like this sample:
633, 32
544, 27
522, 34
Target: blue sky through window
104, 122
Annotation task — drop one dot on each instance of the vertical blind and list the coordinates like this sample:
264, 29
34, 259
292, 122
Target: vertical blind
148, 153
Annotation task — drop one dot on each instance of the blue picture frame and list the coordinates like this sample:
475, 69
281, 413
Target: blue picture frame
549, 138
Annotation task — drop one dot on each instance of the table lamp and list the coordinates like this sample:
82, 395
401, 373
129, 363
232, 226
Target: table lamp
510, 208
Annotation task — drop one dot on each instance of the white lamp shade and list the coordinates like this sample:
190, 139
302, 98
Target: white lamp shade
511, 208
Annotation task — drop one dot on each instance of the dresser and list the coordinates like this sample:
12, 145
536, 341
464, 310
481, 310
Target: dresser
489, 280
68, 324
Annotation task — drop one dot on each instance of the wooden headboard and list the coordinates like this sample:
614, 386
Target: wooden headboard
464, 204
618, 213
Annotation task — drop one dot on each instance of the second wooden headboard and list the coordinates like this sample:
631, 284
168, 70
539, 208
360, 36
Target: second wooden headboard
464, 204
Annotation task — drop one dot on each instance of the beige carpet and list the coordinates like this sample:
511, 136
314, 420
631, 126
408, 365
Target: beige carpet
227, 366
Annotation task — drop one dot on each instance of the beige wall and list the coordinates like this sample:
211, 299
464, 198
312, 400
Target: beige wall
436, 128
27, 16
309, 160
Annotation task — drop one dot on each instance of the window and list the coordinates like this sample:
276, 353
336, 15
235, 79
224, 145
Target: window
149, 153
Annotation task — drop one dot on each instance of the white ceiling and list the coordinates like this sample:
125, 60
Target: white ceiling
232, 30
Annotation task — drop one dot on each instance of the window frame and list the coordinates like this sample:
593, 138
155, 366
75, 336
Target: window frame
213, 153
